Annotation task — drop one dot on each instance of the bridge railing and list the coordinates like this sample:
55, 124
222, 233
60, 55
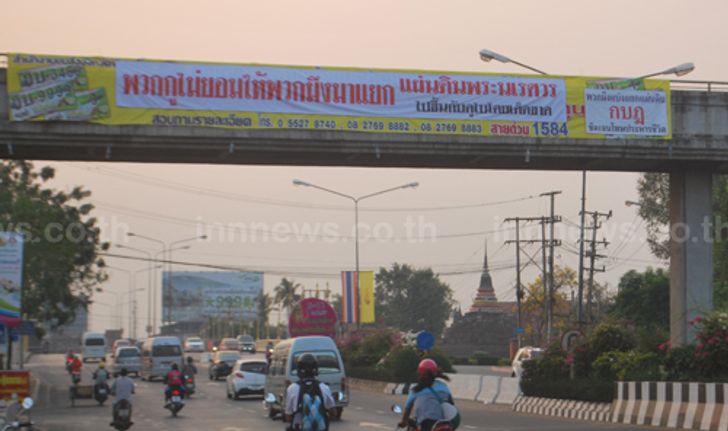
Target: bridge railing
676, 85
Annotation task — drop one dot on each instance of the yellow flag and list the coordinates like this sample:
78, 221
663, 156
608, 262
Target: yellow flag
366, 297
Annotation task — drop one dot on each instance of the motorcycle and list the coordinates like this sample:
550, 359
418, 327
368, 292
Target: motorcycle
175, 403
122, 415
75, 377
189, 386
442, 425
21, 418
101, 393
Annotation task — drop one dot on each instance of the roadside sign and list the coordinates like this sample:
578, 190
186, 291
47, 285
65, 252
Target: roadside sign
569, 339
520, 331
425, 341
26, 328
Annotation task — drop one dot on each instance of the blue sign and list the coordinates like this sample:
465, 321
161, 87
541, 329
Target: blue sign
520, 331
13, 335
425, 341
26, 328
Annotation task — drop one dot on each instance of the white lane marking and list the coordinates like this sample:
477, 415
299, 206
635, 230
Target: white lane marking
358, 408
374, 425
380, 412
470, 427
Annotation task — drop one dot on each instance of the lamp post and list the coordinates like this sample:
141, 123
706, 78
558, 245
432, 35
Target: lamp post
356, 201
679, 70
152, 296
156, 294
149, 260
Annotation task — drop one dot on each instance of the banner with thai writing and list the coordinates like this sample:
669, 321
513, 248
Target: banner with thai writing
14, 382
251, 96
11, 278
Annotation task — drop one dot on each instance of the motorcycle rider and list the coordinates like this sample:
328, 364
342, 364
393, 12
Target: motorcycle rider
76, 366
426, 396
69, 360
307, 370
101, 376
121, 389
269, 352
173, 379
189, 368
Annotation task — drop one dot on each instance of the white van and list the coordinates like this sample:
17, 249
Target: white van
93, 346
158, 355
282, 370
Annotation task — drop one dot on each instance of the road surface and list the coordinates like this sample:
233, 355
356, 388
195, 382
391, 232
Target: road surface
210, 410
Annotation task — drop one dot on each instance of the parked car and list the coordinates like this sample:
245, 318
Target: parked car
247, 378
246, 343
194, 344
129, 357
229, 344
524, 354
282, 371
222, 363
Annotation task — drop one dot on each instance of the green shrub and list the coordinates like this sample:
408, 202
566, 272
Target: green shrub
482, 358
564, 388
504, 362
402, 362
711, 350
680, 365
443, 361
627, 366
380, 374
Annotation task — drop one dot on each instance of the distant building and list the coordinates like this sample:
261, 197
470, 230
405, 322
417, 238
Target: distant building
487, 327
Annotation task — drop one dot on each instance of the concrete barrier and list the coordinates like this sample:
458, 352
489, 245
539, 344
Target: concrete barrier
489, 389
508, 390
598, 412
672, 404
465, 386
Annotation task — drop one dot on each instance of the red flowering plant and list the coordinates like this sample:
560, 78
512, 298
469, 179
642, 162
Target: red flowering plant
711, 347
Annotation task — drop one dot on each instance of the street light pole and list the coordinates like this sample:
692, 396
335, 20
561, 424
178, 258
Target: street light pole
150, 324
356, 201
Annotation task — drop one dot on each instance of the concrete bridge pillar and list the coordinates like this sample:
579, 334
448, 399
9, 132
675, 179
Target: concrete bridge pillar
691, 251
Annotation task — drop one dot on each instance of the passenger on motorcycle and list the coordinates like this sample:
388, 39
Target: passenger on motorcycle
298, 414
173, 379
101, 374
121, 389
189, 369
426, 397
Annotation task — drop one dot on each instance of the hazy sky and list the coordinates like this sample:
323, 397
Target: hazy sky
171, 202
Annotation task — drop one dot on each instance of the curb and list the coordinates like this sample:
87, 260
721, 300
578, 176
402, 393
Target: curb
583, 410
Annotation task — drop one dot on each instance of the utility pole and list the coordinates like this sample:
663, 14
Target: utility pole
580, 293
592, 254
518, 241
549, 298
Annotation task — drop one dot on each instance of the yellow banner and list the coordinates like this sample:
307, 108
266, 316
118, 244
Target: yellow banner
252, 96
366, 297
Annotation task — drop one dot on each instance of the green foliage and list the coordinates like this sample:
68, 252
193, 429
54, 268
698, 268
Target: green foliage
443, 361
680, 365
286, 294
627, 366
412, 299
577, 389
481, 358
62, 267
644, 299
403, 362
368, 350
380, 374
711, 350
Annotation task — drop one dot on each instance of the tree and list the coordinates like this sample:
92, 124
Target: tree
61, 267
654, 197
263, 307
285, 294
412, 299
644, 299
533, 317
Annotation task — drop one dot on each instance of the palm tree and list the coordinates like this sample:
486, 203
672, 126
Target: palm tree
264, 305
285, 294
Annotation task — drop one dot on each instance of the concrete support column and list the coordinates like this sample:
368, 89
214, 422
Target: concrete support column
691, 251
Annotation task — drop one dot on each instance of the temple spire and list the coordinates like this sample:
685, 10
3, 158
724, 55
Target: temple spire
485, 297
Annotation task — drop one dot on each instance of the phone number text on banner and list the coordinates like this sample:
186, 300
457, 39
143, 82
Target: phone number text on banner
118, 92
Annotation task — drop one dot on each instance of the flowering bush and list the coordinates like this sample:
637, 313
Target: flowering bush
711, 348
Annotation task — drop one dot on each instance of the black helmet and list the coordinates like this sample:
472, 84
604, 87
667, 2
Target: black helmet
307, 366
124, 372
175, 366
190, 360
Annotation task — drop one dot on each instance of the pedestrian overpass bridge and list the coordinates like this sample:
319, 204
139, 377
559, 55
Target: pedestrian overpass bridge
698, 149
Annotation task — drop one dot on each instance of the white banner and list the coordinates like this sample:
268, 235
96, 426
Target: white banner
11, 277
626, 112
314, 91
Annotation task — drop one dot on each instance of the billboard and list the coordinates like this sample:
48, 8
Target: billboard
312, 316
195, 296
254, 96
11, 277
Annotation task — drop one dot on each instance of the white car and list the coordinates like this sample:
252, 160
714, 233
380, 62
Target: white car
194, 344
247, 378
524, 354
